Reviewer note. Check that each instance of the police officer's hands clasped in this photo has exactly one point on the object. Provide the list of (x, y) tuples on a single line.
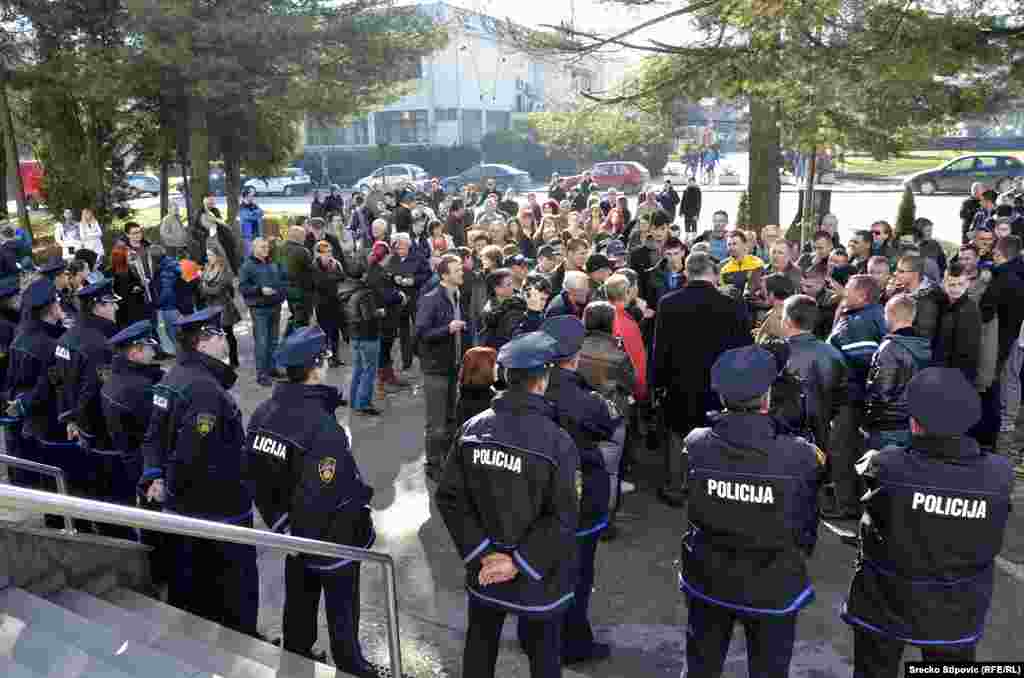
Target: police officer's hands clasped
[(456, 326), (498, 568), (157, 491), (73, 432)]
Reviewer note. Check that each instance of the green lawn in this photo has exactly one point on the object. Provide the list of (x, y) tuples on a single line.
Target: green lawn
[(915, 161)]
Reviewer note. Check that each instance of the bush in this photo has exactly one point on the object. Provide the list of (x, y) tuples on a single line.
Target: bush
[(907, 212)]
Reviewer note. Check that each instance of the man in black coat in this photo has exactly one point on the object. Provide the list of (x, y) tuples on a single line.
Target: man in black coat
[(689, 208), (680, 370), (968, 208)]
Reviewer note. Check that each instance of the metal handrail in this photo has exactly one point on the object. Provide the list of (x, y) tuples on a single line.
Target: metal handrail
[(88, 509), (55, 472)]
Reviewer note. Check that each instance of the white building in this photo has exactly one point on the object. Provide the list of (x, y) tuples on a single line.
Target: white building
[(478, 84)]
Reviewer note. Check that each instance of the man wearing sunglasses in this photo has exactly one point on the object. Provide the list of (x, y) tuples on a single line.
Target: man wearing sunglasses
[(193, 454)]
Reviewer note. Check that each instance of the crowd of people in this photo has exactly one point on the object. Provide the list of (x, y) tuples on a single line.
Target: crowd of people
[(573, 328)]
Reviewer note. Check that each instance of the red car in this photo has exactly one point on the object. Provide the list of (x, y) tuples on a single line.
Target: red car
[(31, 172), (624, 175)]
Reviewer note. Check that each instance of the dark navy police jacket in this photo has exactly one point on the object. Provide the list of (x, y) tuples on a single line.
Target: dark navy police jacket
[(588, 418), (127, 402), (509, 487), (83, 360), (196, 441), (33, 380), (753, 516), (302, 472), (933, 523)]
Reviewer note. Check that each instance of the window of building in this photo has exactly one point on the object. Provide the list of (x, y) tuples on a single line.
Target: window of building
[(402, 127), (446, 114)]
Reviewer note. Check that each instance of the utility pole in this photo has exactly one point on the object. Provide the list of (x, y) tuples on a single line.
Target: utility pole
[(11, 146)]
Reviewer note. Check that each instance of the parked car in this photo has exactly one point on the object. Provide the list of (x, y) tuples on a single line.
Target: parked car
[(142, 185), (394, 177), (294, 181), (505, 177), (956, 176), (31, 172), (626, 176)]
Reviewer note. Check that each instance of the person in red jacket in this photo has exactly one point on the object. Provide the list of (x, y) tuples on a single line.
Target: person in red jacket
[(625, 328)]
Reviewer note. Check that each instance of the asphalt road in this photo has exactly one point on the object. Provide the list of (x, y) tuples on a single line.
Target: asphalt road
[(636, 604)]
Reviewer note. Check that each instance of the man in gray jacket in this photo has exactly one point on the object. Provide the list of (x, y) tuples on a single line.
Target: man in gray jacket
[(173, 233)]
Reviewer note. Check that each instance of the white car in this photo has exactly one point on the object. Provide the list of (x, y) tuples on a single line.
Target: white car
[(294, 181), (394, 177)]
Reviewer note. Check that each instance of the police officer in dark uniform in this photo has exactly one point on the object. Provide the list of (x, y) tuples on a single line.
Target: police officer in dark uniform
[(305, 479), (934, 517), (753, 523), (55, 270), (10, 317), (126, 403), (589, 419), (509, 500), (83, 362), (194, 453)]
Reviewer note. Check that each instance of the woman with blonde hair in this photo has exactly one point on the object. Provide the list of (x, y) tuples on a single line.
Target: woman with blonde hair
[(217, 288), (91, 233)]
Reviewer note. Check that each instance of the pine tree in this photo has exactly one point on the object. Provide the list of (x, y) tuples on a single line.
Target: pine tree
[(906, 213), (743, 211)]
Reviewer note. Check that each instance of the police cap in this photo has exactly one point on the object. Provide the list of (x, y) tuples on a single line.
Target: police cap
[(568, 331), (743, 373), (942, 401), (137, 333), (303, 348), (52, 267), (101, 291), (9, 291), (530, 351), (40, 293), (207, 320), (615, 249)]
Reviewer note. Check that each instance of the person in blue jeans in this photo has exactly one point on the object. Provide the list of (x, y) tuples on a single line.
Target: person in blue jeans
[(262, 285), (363, 314)]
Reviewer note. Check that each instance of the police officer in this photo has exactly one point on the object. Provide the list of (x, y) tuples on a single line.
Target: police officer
[(305, 478), (753, 523), (10, 316), (126, 403), (34, 386), (590, 420), (934, 517), (509, 501), (83, 363), (193, 453), (55, 270)]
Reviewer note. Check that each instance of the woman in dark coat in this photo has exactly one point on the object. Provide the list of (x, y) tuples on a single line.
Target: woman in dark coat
[(476, 383), (382, 282), (327, 273), (133, 306)]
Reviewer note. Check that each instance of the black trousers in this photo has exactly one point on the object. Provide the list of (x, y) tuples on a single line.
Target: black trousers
[(878, 656), (302, 603), (845, 448), (690, 223), (543, 642), (216, 580), (709, 629), (406, 335)]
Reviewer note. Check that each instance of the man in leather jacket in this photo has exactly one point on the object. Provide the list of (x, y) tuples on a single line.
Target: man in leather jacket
[(901, 355), (818, 365)]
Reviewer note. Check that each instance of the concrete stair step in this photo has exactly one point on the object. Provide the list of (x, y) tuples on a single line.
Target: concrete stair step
[(135, 626), (109, 646), (39, 653), (188, 625)]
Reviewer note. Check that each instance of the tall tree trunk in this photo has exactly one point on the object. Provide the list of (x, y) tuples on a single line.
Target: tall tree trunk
[(165, 172), (199, 150), (763, 179), (11, 146), (233, 189), (3, 179)]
